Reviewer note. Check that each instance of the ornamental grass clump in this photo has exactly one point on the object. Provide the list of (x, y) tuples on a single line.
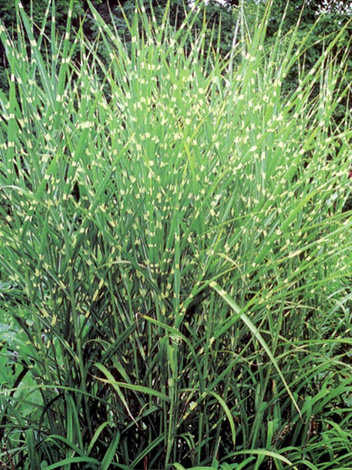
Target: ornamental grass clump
[(174, 252)]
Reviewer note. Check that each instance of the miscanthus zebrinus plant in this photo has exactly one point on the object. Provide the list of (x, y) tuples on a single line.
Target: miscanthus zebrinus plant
[(175, 252)]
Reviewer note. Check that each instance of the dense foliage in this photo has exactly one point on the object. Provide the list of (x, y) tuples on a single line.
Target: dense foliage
[(220, 16), (284, 17), (175, 251)]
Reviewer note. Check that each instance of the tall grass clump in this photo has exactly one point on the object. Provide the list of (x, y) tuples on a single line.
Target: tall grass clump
[(174, 253)]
